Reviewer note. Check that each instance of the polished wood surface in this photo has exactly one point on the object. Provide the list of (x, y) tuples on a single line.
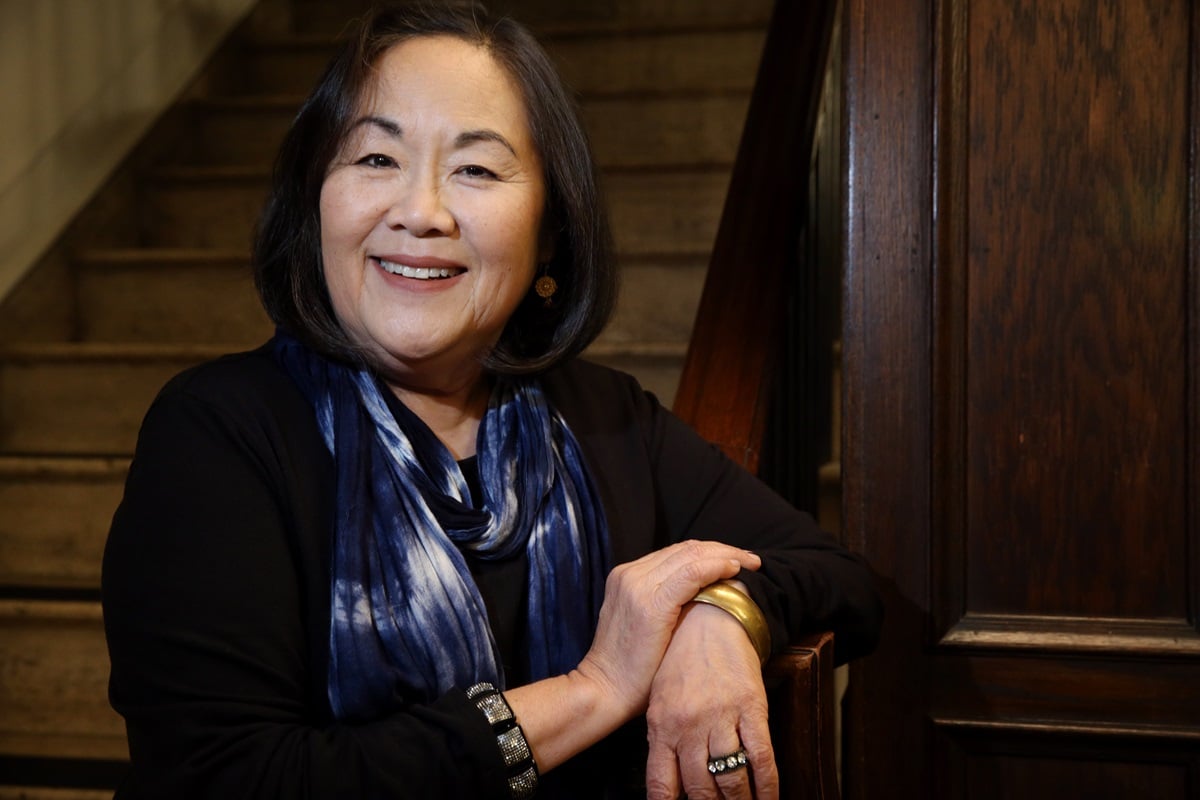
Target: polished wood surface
[(1020, 363), (726, 386), (801, 696)]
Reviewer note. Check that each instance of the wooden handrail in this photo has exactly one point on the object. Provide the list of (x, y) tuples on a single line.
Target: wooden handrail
[(727, 381), (800, 694), (729, 377)]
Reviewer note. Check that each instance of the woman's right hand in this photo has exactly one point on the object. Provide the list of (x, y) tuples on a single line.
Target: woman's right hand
[(643, 600)]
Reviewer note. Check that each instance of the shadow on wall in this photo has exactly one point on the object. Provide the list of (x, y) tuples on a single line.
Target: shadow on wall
[(81, 81)]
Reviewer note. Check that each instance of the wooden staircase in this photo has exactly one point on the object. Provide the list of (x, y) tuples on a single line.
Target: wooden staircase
[(153, 277)]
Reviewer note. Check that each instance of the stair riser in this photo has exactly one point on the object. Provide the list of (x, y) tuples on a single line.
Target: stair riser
[(241, 135), (718, 61), (665, 132), (54, 684), (672, 213), (44, 793), (216, 304), (617, 63), (207, 212), (196, 303), (92, 407), (657, 304), (651, 212), (321, 16), (648, 131), (53, 529)]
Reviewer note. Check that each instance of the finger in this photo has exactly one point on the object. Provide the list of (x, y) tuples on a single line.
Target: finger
[(662, 774), (698, 782), (680, 586), (732, 775), (678, 578), (672, 558), (756, 740)]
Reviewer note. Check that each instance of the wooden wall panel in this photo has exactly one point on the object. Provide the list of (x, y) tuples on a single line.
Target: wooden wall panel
[(1076, 307), (996, 764), (1022, 378)]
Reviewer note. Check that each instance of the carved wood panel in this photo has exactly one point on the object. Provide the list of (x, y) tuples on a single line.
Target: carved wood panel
[(1020, 349)]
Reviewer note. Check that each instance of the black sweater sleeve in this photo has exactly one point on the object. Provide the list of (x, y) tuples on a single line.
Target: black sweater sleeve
[(216, 610), (808, 581)]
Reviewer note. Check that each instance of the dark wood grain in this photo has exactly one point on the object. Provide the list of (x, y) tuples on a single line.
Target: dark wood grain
[(725, 388), (1075, 307), (887, 380), (800, 692), (1021, 344)]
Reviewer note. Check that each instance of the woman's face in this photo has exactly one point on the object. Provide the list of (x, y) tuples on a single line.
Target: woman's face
[(431, 214)]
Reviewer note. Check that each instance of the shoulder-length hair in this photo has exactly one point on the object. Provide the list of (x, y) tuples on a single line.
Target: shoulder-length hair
[(288, 269)]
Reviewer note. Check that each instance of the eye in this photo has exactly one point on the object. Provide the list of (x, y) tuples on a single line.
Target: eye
[(476, 171), (377, 160)]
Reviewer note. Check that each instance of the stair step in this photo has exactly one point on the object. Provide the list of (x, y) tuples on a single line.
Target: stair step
[(83, 399), (54, 682), (56, 517), (658, 60), (658, 301), (665, 130), (203, 207), (660, 211), (672, 212), (89, 399), (626, 130), (165, 295), (242, 130), (322, 16), (591, 60), (50, 793), (656, 365), (199, 296)]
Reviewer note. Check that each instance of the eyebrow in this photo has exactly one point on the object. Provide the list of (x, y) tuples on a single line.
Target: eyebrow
[(464, 139)]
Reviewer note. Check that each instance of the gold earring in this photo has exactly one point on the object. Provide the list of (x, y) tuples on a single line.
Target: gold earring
[(545, 288)]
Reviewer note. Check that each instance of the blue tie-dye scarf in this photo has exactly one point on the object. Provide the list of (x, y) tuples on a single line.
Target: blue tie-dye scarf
[(408, 622)]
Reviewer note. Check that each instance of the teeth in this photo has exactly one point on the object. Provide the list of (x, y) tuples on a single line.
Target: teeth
[(420, 273)]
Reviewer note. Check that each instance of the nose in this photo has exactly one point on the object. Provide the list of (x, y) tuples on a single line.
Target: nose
[(419, 207)]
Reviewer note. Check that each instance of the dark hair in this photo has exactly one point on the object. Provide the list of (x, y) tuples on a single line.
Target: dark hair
[(288, 270)]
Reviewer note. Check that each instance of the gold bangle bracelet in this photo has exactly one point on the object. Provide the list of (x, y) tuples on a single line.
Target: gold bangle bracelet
[(727, 597)]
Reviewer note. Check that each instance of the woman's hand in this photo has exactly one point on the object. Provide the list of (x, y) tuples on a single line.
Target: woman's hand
[(708, 700), (643, 600)]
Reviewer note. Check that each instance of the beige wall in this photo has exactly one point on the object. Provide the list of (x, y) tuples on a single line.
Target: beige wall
[(80, 81)]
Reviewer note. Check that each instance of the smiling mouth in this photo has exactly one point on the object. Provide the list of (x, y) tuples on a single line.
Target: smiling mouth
[(420, 273)]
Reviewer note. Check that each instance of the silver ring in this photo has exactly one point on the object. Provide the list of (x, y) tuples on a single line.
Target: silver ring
[(729, 763)]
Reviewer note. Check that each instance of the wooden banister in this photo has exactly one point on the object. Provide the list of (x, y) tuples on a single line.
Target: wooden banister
[(727, 381), (730, 375), (800, 694)]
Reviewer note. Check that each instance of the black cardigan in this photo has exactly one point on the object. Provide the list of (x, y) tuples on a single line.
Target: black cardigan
[(216, 589)]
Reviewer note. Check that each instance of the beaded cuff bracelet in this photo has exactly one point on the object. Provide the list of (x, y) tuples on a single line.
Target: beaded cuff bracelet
[(522, 769)]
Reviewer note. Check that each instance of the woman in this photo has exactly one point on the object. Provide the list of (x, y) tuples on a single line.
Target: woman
[(375, 557)]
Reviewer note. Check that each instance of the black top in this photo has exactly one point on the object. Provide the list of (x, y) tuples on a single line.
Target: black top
[(216, 589)]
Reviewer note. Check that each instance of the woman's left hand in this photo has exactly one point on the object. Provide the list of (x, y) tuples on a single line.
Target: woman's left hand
[(707, 700)]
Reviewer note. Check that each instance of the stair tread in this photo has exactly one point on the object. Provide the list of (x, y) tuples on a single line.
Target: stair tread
[(547, 33), (150, 255), (215, 172), (110, 351), (62, 467), (608, 349), (209, 172), (139, 351), (274, 103)]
